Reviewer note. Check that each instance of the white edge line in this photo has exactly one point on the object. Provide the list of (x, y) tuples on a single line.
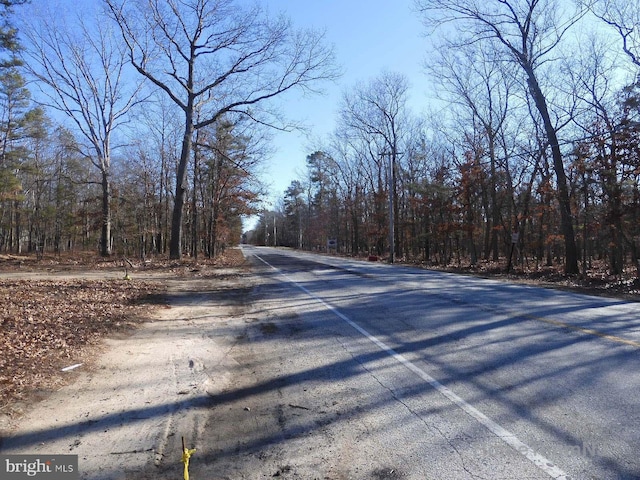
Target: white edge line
[(505, 435)]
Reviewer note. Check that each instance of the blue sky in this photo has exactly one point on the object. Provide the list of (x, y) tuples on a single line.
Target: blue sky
[(369, 36)]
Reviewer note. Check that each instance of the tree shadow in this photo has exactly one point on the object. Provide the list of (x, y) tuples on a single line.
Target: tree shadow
[(494, 356)]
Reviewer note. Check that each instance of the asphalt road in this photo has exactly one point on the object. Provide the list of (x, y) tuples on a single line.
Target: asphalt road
[(418, 374)]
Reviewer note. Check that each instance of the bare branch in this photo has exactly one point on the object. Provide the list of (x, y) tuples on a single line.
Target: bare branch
[(624, 18), (214, 57)]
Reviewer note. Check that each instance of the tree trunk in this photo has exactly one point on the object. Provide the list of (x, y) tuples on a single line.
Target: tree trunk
[(495, 208), (18, 230), (162, 205), (571, 250), (616, 229), (195, 229), (105, 238), (175, 244)]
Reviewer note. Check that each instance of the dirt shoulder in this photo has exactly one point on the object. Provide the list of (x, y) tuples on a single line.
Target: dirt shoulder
[(152, 352), (56, 313)]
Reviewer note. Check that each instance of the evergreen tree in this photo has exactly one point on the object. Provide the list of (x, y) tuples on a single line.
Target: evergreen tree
[(9, 46)]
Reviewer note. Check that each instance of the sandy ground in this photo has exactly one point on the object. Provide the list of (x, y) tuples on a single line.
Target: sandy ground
[(125, 413)]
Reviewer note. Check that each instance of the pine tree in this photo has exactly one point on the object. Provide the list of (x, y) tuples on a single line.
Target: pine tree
[(9, 45)]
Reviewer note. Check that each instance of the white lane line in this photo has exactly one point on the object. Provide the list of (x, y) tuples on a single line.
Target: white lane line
[(505, 435)]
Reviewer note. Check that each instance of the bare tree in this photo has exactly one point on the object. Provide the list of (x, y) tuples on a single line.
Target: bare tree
[(528, 31), (481, 86), (606, 152), (379, 110), (162, 134), (82, 72), (624, 17), (214, 57)]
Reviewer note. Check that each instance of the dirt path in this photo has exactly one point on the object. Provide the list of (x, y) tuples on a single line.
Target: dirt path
[(125, 417)]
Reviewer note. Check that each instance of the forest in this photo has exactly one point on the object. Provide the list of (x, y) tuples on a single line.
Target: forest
[(141, 129), (529, 157)]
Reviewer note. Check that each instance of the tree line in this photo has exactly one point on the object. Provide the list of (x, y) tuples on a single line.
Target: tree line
[(140, 127), (531, 148)]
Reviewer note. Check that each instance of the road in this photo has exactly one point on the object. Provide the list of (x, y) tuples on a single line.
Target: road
[(315, 367), (459, 377)]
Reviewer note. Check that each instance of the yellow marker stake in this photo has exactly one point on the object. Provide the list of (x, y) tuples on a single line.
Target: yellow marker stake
[(186, 455)]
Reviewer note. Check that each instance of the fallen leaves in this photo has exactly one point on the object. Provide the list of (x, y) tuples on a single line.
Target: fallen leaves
[(46, 325)]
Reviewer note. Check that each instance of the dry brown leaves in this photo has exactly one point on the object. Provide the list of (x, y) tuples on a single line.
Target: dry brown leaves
[(46, 325), (70, 262), (596, 281)]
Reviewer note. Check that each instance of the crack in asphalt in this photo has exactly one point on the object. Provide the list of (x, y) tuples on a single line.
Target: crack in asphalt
[(397, 397)]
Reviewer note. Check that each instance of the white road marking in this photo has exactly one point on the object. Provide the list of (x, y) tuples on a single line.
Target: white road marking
[(505, 435)]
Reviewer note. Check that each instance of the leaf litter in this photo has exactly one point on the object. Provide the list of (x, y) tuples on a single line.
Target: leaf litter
[(47, 325)]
